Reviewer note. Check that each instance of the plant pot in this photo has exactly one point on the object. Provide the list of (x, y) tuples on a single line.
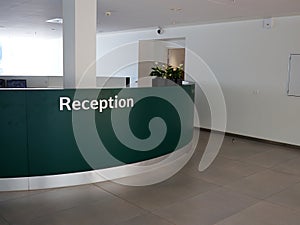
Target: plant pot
[(158, 82), (177, 81)]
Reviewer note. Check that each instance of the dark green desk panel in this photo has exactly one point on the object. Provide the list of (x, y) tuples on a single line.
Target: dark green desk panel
[(52, 146), (13, 134)]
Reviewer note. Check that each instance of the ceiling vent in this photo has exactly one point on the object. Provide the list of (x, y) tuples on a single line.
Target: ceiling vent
[(55, 20)]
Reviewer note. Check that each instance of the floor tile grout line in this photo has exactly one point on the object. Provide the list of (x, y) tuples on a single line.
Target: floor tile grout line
[(209, 182), (163, 218), (276, 164), (241, 161), (202, 179), (150, 213), (5, 220), (239, 212), (285, 189), (25, 196), (257, 198), (244, 162), (119, 197), (259, 202), (272, 168), (132, 203), (243, 194), (284, 172), (248, 164), (238, 179), (263, 167), (64, 209), (189, 198), (166, 219), (126, 200), (296, 211), (244, 177), (41, 192)]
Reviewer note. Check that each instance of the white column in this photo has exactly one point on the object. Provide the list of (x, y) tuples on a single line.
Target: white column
[(79, 39)]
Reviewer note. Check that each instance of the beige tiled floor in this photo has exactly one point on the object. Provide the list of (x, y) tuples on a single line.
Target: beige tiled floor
[(249, 183)]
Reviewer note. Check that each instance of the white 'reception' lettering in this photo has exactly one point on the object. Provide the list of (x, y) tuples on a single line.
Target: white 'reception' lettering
[(65, 103)]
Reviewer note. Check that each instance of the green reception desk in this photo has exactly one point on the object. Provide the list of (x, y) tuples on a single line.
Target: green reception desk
[(67, 133)]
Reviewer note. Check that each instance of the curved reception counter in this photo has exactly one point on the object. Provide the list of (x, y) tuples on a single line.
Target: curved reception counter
[(62, 137)]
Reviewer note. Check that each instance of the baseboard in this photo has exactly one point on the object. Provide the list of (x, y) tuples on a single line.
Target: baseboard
[(251, 138)]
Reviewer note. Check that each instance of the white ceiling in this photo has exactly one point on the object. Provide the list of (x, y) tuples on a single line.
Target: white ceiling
[(27, 17)]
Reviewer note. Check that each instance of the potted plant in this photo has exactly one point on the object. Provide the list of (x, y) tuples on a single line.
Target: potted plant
[(158, 72), (169, 72)]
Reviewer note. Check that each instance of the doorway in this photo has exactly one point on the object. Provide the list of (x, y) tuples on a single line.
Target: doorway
[(176, 57)]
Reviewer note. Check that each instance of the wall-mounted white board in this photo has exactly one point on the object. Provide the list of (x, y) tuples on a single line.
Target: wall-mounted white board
[(294, 75)]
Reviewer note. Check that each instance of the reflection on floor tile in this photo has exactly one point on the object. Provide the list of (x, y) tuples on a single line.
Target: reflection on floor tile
[(263, 214), (264, 184), (207, 208), (147, 219), (152, 197), (243, 149), (290, 197), (273, 157), (23, 210), (291, 167), (4, 196), (103, 212), (224, 171), (3, 222)]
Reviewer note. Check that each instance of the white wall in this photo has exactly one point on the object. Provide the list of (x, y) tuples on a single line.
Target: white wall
[(250, 63)]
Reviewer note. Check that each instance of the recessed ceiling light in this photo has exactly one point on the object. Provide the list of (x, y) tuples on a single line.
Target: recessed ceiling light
[(55, 20), (176, 9), (223, 1), (108, 13)]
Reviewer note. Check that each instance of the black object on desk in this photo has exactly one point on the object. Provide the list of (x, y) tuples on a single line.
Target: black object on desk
[(16, 84), (2, 83)]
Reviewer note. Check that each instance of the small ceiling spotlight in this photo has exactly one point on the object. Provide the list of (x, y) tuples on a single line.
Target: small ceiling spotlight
[(224, 2), (176, 9), (55, 20), (268, 23), (159, 31), (107, 13)]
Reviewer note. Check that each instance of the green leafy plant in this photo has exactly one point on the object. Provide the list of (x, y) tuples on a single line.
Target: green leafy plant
[(158, 72), (168, 72)]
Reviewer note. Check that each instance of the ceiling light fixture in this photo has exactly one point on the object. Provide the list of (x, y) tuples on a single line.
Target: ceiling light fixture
[(176, 9), (224, 2), (55, 20), (108, 13)]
